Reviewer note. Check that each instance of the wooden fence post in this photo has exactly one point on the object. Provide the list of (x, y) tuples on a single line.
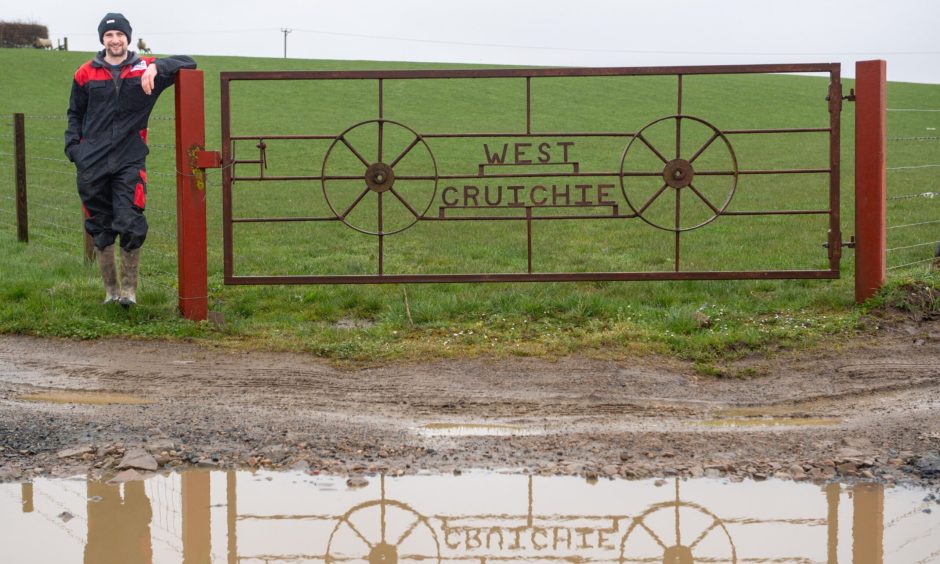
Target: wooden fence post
[(19, 152)]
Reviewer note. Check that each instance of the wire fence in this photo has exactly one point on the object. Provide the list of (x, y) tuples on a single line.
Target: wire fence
[(55, 216), (913, 190)]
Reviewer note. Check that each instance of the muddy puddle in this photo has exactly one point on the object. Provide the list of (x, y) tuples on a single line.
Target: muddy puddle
[(243, 517), (85, 397), (476, 430), (771, 422)]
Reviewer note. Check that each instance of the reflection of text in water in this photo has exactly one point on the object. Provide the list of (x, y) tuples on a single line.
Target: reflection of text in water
[(475, 517)]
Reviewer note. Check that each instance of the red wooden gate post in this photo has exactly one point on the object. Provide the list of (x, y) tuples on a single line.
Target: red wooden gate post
[(870, 162), (191, 196)]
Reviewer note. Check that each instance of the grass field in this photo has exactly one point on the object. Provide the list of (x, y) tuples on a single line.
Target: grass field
[(47, 289)]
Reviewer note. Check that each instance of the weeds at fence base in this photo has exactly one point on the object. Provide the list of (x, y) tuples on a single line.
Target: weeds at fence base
[(917, 299)]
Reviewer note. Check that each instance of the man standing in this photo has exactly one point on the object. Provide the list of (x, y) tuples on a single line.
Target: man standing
[(112, 97)]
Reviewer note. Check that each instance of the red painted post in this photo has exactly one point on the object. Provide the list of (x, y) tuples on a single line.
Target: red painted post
[(870, 180), (191, 196)]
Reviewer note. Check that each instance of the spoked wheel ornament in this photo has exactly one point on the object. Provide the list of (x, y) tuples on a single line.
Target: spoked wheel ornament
[(383, 531), (677, 532), (678, 175), (379, 182)]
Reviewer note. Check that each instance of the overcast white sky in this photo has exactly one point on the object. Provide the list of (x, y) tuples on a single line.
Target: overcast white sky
[(525, 32)]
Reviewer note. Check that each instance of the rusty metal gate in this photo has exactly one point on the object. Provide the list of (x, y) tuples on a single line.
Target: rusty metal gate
[(457, 175)]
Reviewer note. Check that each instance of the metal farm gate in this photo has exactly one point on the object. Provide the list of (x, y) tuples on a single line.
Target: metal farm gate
[(530, 174)]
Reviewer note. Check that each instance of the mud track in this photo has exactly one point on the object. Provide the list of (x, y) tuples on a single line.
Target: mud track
[(865, 410)]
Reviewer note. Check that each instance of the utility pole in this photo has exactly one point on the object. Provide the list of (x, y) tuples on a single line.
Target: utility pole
[(286, 31)]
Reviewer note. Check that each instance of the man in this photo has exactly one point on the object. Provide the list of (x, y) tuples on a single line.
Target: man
[(112, 97)]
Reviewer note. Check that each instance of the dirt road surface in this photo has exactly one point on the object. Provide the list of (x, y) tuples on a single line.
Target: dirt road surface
[(865, 410)]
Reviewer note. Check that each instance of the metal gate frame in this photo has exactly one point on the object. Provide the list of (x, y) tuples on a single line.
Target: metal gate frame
[(834, 237), (192, 160)]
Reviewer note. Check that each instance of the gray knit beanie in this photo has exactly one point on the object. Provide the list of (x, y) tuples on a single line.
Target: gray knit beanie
[(114, 21)]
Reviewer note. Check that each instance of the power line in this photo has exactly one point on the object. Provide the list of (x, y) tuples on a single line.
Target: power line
[(178, 32), (531, 47), (594, 50)]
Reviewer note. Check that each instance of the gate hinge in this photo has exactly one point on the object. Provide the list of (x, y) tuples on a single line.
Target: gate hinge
[(850, 97), (850, 244)]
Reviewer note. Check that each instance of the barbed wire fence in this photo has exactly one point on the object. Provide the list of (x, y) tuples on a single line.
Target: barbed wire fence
[(913, 191), (54, 209)]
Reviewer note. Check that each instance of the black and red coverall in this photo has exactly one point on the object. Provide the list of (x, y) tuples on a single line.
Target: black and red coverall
[(107, 140)]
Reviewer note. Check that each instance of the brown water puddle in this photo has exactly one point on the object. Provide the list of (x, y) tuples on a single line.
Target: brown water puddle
[(473, 430), (476, 517), (84, 397), (762, 411), (771, 422)]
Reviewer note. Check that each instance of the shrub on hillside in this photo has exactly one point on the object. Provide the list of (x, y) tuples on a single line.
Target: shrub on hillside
[(18, 34)]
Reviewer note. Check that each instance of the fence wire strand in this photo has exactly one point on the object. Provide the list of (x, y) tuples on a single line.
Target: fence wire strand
[(922, 261), (914, 224), (29, 158), (926, 195), (913, 167), (51, 171), (54, 235), (910, 246)]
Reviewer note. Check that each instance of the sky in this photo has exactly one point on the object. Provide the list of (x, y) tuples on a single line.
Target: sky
[(524, 32)]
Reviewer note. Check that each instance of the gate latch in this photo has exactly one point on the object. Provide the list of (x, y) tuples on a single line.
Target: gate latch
[(208, 159), (850, 97), (850, 244)]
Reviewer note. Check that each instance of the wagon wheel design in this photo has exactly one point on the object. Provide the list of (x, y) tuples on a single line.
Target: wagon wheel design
[(383, 531), (659, 533), (394, 178), (677, 174)]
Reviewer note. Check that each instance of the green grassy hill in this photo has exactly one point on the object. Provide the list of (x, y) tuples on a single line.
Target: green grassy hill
[(47, 289)]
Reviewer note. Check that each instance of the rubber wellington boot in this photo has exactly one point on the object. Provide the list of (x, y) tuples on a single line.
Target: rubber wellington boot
[(130, 261), (109, 275)]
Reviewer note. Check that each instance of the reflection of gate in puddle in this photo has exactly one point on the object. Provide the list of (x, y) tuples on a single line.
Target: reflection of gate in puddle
[(483, 518), (402, 534), (673, 531), (679, 550)]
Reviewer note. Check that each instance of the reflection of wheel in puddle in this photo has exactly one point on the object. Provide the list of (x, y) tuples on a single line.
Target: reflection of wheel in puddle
[(709, 191), (379, 177), (677, 532), (383, 531)]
